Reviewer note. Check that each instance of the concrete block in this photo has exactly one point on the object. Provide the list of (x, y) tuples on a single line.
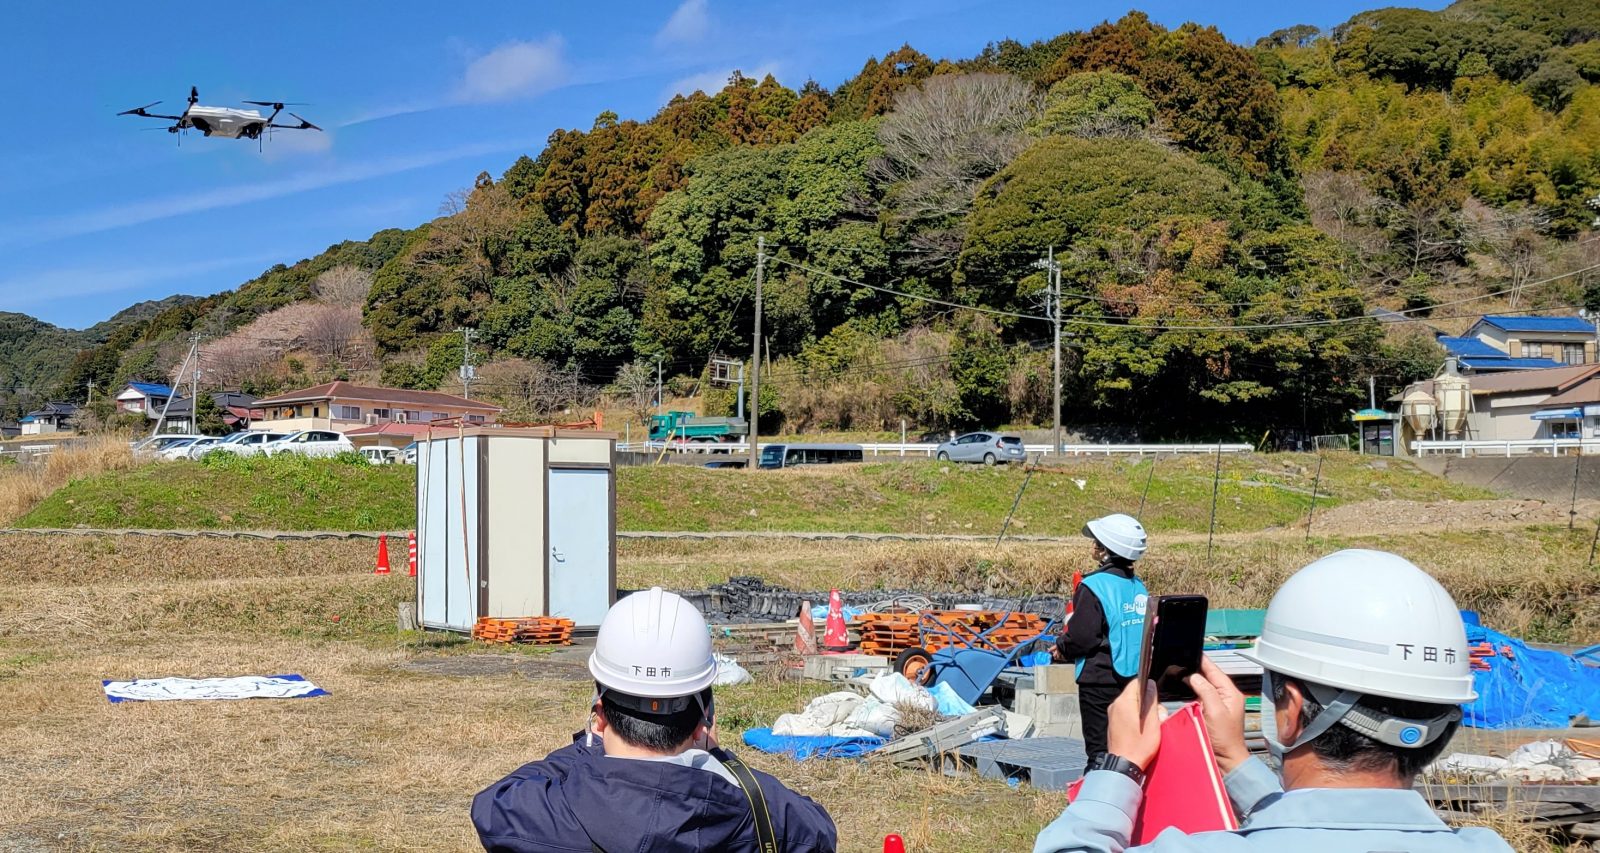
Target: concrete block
[(1054, 715), (1055, 678), (843, 667)]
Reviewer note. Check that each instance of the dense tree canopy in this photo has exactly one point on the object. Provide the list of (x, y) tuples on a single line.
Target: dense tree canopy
[(1224, 218)]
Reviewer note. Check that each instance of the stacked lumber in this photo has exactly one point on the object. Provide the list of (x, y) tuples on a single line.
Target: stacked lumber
[(888, 634), (531, 630)]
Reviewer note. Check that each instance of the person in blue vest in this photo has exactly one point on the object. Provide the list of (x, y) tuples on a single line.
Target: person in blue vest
[(1107, 625), (1364, 671), (647, 773)]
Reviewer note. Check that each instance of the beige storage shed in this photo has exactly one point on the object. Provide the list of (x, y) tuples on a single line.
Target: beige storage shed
[(515, 522)]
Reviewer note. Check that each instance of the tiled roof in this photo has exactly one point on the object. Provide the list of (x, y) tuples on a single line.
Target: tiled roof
[(394, 396), (151, 389), (1469, 348), (1522, 323), (1553, 379), (1504, 363)]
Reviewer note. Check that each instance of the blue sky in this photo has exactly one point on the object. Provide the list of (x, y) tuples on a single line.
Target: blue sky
[(416, 97)]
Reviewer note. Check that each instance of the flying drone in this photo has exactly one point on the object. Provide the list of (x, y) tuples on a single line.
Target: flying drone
[(226, 122)]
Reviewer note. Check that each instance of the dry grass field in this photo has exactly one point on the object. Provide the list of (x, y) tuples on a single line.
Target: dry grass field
[(416, 725)]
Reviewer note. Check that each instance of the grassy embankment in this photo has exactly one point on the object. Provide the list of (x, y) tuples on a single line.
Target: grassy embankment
[(1256, 492)]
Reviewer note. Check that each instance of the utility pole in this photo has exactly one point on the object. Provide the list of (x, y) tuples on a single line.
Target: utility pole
[(194, 388), (192, 354), (755, 360), (1053, 311), (468, 372)]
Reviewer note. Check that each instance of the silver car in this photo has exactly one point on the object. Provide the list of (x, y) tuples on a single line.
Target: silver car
[(986, 447)]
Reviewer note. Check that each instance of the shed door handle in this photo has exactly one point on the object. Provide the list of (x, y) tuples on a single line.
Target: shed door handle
[(557, 555)]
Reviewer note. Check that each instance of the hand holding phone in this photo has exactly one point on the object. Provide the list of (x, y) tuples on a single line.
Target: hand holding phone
[(1174, 642)]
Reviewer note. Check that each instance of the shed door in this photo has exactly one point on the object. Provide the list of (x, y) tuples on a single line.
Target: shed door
[(447, 540), (580, 544)]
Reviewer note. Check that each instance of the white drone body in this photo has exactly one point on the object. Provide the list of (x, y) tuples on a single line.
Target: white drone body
[(226, 122)]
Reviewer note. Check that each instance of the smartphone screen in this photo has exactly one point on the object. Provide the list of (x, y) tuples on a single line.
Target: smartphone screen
[(1174, 639)]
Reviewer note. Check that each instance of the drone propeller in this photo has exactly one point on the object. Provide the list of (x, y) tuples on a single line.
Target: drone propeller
[(306, 125), (278, 104), (137, 110), (194, 95)]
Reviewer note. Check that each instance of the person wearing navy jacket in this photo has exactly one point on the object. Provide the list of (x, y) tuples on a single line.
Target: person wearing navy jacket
[(647, 773)]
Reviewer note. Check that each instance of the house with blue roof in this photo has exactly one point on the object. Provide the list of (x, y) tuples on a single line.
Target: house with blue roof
[(1500, 342), (144, 398)]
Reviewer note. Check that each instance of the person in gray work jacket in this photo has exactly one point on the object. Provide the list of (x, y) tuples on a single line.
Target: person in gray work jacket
[(1365, 671)]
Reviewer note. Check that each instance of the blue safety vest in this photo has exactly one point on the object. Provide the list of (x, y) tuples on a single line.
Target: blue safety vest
[(1123, 601)]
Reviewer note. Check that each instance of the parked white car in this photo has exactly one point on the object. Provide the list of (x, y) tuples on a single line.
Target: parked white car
[(243, 443), (310, 442), (176, 449), (149, 447), (193, 450), (381, 455)]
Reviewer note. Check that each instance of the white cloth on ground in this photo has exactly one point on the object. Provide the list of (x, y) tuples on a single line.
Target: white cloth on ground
[(239, 687)]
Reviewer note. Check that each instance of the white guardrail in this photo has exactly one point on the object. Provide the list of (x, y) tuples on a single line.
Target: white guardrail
[(25, 450), (927, 450), (1526, 447)]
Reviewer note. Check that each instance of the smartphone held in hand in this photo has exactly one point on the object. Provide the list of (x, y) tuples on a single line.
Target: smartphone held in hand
[(1174, 640)]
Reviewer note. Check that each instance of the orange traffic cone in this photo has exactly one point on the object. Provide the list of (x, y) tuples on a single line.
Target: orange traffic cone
[(383, 556), (894, 844), (836, 638), (805, 637), (411, 553)]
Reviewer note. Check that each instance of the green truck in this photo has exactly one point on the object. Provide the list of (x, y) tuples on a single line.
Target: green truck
[(686, 426)]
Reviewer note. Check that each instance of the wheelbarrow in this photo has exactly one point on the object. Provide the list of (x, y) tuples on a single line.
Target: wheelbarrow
[(969, 660)]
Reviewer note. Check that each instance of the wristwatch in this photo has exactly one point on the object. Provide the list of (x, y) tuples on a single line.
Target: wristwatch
[(1118, 764)]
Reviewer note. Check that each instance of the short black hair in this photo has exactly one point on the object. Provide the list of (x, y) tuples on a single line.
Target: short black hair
[(1345, 749), (656, 732)]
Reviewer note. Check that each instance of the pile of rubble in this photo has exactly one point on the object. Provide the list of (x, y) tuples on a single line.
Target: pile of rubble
[(747, 599)]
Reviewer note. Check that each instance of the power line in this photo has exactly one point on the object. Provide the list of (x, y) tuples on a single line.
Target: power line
[(1161, 324)]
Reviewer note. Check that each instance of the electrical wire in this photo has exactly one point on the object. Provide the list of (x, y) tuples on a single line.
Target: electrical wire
[(1160, 324)]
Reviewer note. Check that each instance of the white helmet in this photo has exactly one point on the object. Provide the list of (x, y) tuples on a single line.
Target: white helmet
[(1371, 623), (653, 645), (1118, 533)]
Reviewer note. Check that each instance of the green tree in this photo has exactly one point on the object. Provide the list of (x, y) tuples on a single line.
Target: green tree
[(208, 416), (1095, 103)]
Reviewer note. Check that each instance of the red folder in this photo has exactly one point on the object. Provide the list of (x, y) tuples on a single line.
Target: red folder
[(1183, 785)]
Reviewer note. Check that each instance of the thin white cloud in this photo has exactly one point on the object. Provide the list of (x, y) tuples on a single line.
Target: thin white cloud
[(517, 69), (689, 24), (712, 82), (514, 70), (52, 286), (123, 216)]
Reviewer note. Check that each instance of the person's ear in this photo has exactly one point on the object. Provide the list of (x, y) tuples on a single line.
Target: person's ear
[(599, 725), (1289, 719)]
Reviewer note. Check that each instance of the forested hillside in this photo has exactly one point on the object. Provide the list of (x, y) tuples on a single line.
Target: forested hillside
[(1225, 217)]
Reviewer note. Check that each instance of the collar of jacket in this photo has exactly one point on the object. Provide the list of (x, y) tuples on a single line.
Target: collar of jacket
[(1347, 808)]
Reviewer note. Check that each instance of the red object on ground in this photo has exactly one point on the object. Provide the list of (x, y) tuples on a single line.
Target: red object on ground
[(836, 638), (805, 637), (383, 556), (1077, 578), (411, 553), (1183, 785), (894, 844)]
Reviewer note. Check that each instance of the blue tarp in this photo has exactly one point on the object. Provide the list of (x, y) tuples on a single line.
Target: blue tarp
[(1530, 688), (801, 747)]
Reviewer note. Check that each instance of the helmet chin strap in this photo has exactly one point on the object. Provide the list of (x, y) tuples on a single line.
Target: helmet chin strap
[(1342, 706)]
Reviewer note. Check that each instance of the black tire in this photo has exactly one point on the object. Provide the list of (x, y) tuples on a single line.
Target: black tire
[(916, 664), (943, 456), (988, 459)]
